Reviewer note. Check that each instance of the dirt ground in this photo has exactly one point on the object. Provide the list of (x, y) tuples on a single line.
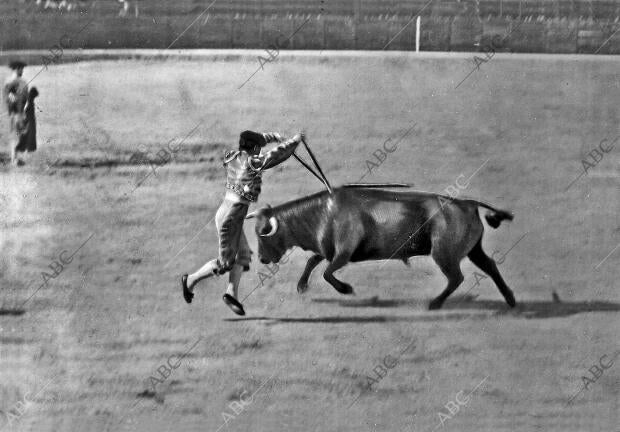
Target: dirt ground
[(106, 343)]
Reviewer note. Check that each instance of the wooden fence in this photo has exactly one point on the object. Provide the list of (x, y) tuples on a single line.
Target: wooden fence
[(444, 26)]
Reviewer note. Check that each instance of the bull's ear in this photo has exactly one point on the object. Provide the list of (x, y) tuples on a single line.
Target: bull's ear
[(251, 215), (268, 205)]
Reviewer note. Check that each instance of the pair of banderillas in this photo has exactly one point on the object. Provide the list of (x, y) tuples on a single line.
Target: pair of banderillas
[(321, 176), (319, 172)]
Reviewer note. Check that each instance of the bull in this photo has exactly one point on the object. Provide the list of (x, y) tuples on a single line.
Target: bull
[(362, 223)]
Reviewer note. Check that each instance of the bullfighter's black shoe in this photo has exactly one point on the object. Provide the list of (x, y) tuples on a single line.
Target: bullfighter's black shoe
[(187, 294), (233, 304)]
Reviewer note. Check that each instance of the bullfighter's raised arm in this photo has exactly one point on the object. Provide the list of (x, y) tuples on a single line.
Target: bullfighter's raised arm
[(280, 153), (271, 137)]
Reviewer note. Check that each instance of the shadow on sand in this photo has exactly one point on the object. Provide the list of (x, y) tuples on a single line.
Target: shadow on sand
[(12, 312), (454, 309)]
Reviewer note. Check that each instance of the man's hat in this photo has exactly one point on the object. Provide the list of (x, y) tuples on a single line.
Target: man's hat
[(253, 137), (17, 64)]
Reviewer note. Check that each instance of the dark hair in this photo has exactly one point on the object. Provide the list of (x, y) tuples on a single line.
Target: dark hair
[(17, 64), (248, 140), (246, 145)]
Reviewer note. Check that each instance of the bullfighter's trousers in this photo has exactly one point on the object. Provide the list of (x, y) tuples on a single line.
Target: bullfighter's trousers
[(233, 247)]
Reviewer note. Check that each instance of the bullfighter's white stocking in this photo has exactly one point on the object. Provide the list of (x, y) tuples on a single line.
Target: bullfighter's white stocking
[(203, 272), (234, 278)]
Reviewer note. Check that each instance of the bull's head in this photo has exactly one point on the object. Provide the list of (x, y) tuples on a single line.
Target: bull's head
[(271, 240)]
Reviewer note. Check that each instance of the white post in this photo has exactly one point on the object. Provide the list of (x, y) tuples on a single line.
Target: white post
[(417, 35)]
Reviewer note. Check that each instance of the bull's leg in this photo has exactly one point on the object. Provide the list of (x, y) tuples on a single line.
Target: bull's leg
[(339, 261), (302, 285), (487, 265), (450, 266)]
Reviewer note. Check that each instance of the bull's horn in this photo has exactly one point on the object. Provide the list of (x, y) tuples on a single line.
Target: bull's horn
[(251, 215), (274, 227)]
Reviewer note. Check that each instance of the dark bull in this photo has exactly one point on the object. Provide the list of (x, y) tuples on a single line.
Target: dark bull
[(361, 223)]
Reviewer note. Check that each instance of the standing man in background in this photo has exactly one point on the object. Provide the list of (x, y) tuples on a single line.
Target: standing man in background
[(15, 97)]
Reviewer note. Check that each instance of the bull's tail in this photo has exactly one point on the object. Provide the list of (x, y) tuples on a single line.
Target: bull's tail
[(495, 216)]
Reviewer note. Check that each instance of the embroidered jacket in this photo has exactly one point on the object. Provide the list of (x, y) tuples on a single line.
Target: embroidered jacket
[(244, 171), (19, 88)]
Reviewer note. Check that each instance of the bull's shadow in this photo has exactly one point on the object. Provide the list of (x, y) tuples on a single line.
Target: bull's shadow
[(524, 309), (535, 309), (457, 308)]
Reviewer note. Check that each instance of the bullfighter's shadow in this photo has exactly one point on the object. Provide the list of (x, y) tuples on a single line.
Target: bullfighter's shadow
[(457, 308), (368, 319)]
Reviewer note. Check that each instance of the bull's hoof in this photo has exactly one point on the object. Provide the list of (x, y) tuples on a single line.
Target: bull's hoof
[(435, 304), (345, 289), (302, 288)]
